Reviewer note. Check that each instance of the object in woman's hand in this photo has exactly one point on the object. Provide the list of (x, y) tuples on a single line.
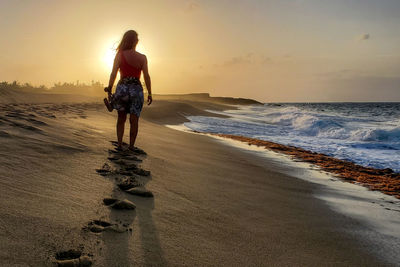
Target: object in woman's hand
[(107, 89), (108, 105)]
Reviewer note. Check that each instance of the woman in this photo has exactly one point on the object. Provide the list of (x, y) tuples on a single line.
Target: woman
[(128, 97)]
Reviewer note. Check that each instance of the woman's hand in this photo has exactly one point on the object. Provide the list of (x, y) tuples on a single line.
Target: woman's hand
[(149, 99)]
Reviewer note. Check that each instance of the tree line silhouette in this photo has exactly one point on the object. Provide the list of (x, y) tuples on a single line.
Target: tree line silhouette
[(94, 88)]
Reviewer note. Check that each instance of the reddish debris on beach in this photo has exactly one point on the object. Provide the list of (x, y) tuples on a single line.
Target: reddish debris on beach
[(384, 180)]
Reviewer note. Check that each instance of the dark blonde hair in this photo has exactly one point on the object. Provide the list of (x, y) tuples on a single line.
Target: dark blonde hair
[(129, 40)]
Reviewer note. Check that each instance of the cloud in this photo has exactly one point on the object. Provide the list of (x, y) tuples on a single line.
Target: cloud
[(248, 59), (363, 37), (340, 74), (239, 60), (191, 6)]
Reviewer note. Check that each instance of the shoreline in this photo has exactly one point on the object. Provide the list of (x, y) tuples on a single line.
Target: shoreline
[(213, 204), (175, 112), (383, 180)]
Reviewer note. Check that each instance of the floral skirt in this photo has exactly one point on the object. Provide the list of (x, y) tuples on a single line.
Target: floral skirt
[(128, 96)]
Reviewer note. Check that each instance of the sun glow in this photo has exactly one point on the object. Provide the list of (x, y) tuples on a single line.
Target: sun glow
[(108, 53), (141, 49), (108, 57)]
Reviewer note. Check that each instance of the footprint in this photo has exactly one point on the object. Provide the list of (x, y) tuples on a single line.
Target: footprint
[(125, 169), (114, 158), (118, 161), (131, 158), (98, 226), (128, 183), (140, 191), (119, 204), (115, 143), (133, 169), (116, 155), (72, 258), (136, 150), (68, 255), (106, 169), (139, 151)]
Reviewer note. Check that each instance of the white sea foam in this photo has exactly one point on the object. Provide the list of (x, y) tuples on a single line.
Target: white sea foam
[(365, 133)]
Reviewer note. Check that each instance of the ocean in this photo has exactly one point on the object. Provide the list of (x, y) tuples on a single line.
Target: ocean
[(367, 134)]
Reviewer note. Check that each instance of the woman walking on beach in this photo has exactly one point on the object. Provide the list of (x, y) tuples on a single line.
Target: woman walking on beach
[(128, 97)]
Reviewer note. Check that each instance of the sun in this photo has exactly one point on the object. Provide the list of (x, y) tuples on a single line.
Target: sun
[(108, 56), (108, 52)]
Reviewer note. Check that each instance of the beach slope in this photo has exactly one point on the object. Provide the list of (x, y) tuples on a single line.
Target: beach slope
[(212, 205)]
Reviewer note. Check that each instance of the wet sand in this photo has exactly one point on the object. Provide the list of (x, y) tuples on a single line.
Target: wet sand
[(212, 204), (384, 180)]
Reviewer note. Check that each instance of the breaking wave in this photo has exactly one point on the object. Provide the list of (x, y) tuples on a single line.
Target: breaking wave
[(365, 133)]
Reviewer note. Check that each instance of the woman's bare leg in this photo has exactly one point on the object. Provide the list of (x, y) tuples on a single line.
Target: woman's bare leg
[(120, 127), (134, 120)]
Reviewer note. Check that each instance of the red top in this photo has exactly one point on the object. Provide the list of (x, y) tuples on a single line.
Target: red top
[(127, 70)]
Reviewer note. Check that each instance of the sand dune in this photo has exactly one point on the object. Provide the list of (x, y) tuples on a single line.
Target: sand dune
[(11, 96)]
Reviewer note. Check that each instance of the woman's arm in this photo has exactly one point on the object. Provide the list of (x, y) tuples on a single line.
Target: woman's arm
[(147, 81), (114, 72)]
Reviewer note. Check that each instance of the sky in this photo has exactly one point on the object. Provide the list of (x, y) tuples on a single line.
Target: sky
[(269, 50)]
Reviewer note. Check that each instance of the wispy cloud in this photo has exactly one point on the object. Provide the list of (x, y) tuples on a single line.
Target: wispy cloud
[(248, 59), (238, 60), (340, 74), (191, 6), (363, 37)]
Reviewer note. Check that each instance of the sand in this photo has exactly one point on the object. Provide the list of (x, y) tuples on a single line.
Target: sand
[(212, 204), (384, 180)]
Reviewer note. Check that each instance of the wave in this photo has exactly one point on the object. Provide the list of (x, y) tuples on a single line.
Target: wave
[(328, 125), (343, 130), (391, 135)]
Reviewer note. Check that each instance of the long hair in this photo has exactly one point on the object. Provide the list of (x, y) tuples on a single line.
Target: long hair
[(129, 40)]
